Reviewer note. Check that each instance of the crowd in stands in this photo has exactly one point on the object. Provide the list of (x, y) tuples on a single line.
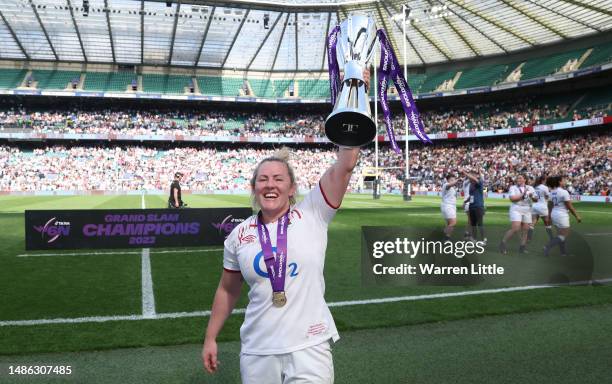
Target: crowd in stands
[(274, 124), (583, 158)]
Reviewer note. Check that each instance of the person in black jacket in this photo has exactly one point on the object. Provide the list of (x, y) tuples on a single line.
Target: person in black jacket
[(174, 200)]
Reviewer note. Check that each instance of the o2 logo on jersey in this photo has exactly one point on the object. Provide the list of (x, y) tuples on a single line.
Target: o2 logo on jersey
[(260, 267)]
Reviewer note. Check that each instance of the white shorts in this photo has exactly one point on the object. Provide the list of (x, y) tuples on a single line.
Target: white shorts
[(466, 207), (539, 210), (448, 211), (522, 215), (309, 365), (560, 219)]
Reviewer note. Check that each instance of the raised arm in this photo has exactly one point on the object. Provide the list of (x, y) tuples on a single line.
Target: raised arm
[(470, 176), (226, 296), (336, 179)]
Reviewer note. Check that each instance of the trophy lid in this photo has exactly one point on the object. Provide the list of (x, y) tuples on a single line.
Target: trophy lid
[(357, 38)]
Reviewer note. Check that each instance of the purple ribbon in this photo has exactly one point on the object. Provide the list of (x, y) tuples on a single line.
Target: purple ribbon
[(389, 67), (277, 267), (332, 64)]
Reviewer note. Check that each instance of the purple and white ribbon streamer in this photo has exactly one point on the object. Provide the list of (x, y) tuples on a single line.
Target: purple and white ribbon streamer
[(332, 64), (389, 67)]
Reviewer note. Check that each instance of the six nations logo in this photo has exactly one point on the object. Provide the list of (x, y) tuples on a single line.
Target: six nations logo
[(53, 229)]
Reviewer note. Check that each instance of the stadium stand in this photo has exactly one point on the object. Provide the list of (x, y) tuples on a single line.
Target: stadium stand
[(476, 117), (218, 86), (229, 168), (108, 81), (483, 76), (549, 65), (11, 78), (434, 80), (166, 84), (55, 80), (601, 54), (315, 89)]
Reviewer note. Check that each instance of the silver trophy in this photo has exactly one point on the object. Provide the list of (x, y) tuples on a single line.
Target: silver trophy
[(351, 123)]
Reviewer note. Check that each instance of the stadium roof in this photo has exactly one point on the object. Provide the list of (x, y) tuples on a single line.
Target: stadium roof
[(285, 35)]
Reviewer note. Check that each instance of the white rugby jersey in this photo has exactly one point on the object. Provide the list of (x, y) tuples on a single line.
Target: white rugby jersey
[(449, 196), (543, 195), (466, 189), (525, 202), (559, 196), (305, 320)]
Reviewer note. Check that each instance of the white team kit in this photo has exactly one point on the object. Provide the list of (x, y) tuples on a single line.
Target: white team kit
[(559, 214), (449, 202), (521, 210), (305, 321), (540, 207), (466, 194)]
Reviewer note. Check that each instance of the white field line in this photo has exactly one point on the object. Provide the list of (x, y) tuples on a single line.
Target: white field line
[(118, 252), (176, 315), (599, 234), (148, 299)]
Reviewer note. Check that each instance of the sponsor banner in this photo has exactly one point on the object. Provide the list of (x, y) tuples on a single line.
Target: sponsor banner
[(429, 95), (504, 86), (530, 82), (26, 92), (479, 90), (120, 95), (89, 94), (149, 96), (559, 76), (587, 71), (175, 97), (130, 228), (57, 93)]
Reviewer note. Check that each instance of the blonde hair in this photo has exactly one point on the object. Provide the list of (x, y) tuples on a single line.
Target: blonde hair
[(281, 155)]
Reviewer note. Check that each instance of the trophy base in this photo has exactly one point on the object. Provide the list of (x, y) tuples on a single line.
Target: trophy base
[(350, 128)]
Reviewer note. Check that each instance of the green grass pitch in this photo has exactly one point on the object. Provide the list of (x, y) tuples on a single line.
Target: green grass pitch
[(438, 334)]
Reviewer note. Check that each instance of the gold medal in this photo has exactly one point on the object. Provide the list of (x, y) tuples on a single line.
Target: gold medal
[(279, 299)]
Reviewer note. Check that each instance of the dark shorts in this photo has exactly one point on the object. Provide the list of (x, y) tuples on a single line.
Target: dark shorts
[(476, 214)]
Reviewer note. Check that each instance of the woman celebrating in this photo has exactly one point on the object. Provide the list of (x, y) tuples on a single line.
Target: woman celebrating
[(540, 208), (521, 196), (280, 253), (561, 203), (449, 204)]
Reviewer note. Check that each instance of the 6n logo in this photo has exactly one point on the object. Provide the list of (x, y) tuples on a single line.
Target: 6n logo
[(53, 230)]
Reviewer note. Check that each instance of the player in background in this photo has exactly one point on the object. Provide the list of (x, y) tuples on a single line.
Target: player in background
[(476, 201), (560, 203), (449, 204), (521, 195), (466, 207), (540, 208)]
